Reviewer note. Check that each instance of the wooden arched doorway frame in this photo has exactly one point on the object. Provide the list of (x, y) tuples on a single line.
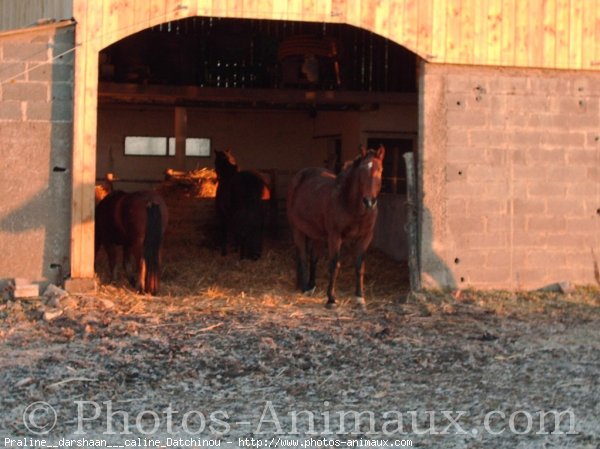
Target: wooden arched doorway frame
[(102, 23)]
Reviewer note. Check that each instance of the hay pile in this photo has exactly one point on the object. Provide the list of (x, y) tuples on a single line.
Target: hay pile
[(200, 183)]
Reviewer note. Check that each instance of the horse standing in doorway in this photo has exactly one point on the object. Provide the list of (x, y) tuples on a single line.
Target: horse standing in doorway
[(241, 208), (137, 222), (323, 207)]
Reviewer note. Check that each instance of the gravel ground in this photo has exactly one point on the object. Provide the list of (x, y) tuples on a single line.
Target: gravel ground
[(230, 353)]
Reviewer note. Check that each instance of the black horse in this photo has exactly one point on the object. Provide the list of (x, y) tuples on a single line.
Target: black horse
[(241, 206)]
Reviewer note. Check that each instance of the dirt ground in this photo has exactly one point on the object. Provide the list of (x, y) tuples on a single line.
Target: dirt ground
[(230, 355), (230, 352)]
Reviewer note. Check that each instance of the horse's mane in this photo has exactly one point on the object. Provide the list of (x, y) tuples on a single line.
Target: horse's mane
[(225, 163), (343, 182)]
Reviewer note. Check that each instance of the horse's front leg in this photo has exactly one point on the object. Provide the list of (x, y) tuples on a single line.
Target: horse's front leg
[(312, 268), (335, 244), (359, 268)]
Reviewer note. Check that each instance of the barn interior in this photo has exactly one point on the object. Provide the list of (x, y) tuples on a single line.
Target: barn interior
[(280, 95)]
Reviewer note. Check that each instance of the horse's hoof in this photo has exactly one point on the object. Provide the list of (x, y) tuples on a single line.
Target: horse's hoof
[(331, 305), (360, 302), (310, 291)]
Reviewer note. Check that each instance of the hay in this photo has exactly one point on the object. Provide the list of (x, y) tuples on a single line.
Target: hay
[(200, 183), (230, 335)]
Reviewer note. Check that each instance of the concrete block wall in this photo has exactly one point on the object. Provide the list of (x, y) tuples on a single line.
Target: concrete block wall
[(510, 177), (36, 126)]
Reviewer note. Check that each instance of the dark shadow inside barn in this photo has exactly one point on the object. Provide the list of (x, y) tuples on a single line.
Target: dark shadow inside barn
[(280, 95)]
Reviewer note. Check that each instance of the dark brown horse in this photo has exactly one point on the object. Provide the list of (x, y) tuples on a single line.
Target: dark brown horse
[(323, 207), (137, 222), (241, 205)]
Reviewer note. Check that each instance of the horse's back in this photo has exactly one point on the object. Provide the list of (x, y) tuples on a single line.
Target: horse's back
[(308, 201), (134, 209), (247, 186)]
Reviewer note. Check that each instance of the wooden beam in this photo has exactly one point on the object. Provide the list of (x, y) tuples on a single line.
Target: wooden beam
[(84, 140), (189, 95), (180, 136)]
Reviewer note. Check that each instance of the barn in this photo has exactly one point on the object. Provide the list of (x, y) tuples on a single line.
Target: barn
[(498, 100)]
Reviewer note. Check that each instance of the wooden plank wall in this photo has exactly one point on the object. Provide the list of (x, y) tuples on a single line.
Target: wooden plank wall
[(561, 34), (535, 33), (22, 13)]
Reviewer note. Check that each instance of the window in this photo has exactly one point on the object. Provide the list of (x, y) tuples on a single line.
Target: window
[(194, 146), (163, 146), (145, 146)]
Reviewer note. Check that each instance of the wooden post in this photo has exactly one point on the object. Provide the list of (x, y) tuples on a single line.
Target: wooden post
[(180, 136), (84, 150), (411, 224)]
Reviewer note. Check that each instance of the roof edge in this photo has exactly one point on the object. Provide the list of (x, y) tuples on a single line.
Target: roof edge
[(40, 25)]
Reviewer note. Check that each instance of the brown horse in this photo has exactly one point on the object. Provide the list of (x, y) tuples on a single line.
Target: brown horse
[(323, 207), (137, 222)]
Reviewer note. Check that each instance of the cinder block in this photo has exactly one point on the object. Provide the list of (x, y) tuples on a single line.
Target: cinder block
[(456, 172), (564, 138), (582, 156), (483, 174), (11, 69), (528, 173), (484, 206), (61, 91), (466, 224), (463, 153), (566, 207), (525, 138), (463, 190), (486, 137), (467, 119), (38, 110), (528, 206), (497, 222), (567, 173), (489, 240), (509, 85), (550, 223), (22, 51), (582, 224), (26, 290), (457, 137), (10, 110), (25, 91), (543, 259)]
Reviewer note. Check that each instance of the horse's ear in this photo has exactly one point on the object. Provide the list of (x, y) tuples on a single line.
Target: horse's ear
[(380, 152), (363, 151)]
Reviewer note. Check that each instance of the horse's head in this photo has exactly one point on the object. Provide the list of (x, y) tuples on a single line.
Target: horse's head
[(369, 167), (225, 163)]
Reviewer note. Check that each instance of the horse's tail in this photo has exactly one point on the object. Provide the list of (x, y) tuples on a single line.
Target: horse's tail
[(152, 243)]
